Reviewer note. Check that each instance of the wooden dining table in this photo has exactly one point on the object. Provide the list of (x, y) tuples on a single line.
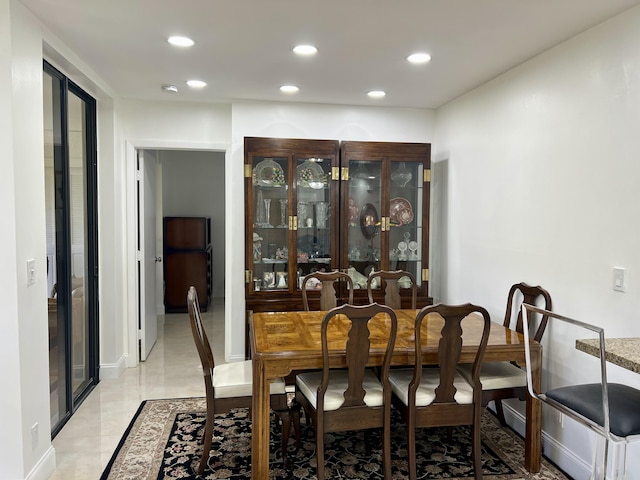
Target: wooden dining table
[(282, 342)]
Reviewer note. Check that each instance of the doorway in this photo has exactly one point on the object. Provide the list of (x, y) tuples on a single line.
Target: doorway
[(71, 229), (190, 183)]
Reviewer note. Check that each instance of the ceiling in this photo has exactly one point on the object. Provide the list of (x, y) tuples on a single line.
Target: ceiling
[(243, 48)]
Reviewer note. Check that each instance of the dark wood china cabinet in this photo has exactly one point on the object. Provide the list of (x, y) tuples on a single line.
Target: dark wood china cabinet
[(324, 205)]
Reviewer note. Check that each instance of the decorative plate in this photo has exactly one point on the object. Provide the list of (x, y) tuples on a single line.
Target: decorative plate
[(310, 174), (268, 173), (369, 221), (400, 211)]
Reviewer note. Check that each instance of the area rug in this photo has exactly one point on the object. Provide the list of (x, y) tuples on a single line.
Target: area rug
[(162, 442)]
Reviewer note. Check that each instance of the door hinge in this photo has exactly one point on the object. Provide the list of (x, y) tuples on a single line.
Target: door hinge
[(345, 174), (247, 276), (138, 255), (425, 274), (139, 335), (335, 173), (427, 175), (247, 170)]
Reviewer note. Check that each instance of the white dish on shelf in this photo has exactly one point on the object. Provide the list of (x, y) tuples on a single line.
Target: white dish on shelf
[(268, 173), (310, 174)]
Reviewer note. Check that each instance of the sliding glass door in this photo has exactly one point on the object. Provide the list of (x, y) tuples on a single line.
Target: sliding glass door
[(70, 192)]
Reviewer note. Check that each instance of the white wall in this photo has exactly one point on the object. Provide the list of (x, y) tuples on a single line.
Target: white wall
[(293, 120), (193, 186), (539, 182), (24, 325)]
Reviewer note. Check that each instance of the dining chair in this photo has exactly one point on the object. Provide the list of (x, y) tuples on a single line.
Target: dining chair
[(229, 385), (609, 409), (504, 380), (391, 286), (327, 280), (354, 398), (437, 395)]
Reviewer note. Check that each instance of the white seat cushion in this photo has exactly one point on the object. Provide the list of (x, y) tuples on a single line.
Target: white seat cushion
[(235, 379), (308, 384), (497, 375), (426, 393)]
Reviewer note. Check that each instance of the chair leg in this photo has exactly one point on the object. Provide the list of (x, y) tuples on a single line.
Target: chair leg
[(475, 450), (411, 451), (600, 450), (620, 460), (295, 416), (285, 420), (207, 441), (500, 413), (320, 451)]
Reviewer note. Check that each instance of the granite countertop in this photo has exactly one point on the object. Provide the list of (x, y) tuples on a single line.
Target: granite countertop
[(624, 352)]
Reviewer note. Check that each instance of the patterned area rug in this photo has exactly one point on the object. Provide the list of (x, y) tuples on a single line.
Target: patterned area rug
[(163, 443)]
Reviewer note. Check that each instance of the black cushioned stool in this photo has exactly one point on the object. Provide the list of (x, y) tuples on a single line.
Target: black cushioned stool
[(611, 410)]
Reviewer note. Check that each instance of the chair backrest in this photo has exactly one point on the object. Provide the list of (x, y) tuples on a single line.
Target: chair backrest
[(529, 311), (200, 336), (391, 287), (530, 295), (449, 349), (357, 350), (328, 297)]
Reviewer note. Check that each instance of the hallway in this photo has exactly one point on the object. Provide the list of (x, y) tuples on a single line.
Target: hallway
[(86, 443)]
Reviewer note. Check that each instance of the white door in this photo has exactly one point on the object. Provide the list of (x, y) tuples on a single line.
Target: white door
[(147, 257)]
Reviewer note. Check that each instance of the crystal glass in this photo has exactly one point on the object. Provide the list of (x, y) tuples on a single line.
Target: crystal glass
[(283, 213), (322, 211), (267, 212), (401, 176)]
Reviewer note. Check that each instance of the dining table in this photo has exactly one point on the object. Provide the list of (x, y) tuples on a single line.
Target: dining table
[(284, 342)]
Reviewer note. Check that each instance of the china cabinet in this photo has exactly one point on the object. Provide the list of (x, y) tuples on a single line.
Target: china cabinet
[(314, 205)]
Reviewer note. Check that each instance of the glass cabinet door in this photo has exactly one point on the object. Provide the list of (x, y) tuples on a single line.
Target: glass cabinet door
[(364, 212), (270, 197), (314, 222), (405, 219)]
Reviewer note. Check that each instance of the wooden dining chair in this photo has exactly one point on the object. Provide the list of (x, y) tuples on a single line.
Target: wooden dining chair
[(504, 380), (354, 398), (229, 385), (327, 280), (389, 283), (432, 396)]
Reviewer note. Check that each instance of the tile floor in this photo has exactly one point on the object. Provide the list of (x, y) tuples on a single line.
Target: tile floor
[(85, 444)]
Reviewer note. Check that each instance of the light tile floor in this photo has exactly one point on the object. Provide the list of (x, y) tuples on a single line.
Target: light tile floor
[(85, 444)]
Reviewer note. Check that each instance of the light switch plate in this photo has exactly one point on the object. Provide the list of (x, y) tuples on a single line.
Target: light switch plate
[(31, 272), (618, 279)]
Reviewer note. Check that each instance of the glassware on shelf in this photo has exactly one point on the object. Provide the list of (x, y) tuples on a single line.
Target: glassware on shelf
[(402, 175), (322, 211), (267, 213), (259, 220), (413, 250), (283, 213), (303, 213)]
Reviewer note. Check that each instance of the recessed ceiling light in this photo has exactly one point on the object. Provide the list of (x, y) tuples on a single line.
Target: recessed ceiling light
[(305, 49), (289, 88), (419, 58), (376, 93), (179, 41), (196, 83), (169, 88)]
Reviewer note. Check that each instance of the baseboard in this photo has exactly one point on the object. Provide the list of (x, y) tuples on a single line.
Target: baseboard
[(111, 371), (45, 467), (552, 449)]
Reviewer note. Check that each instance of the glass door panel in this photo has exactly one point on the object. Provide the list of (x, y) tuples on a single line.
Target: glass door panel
[(405, 219), (270, 194), (313, 214), (364, 219)]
